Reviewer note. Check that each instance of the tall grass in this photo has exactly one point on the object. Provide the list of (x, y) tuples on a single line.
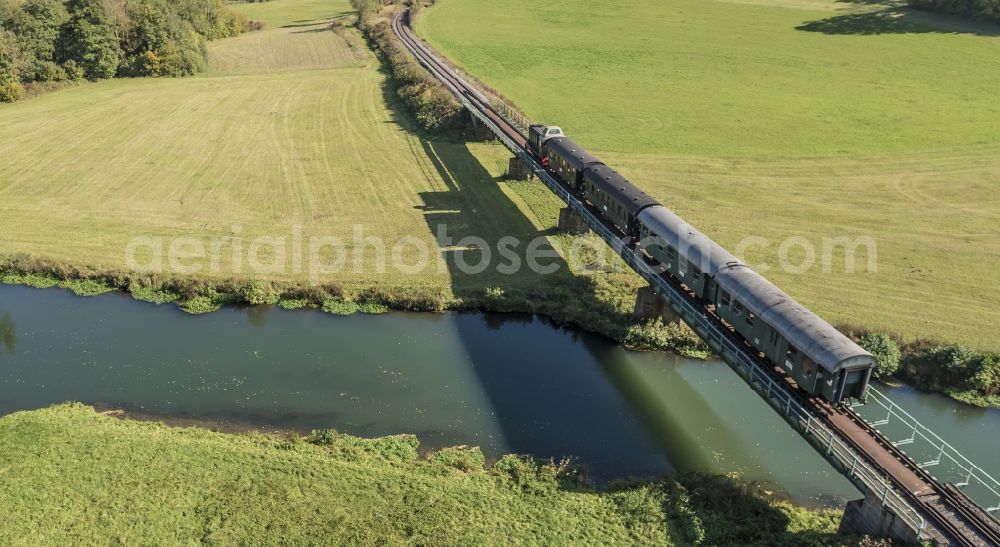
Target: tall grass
[(123, 481)]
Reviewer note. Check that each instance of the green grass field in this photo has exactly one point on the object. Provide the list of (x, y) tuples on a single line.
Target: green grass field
[(780, 118), (196, 486), (293, 13), (294, 127), (74, 476), (301, 134)]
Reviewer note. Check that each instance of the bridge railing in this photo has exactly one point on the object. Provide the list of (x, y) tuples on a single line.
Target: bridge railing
[(777, 394), (969, 473)]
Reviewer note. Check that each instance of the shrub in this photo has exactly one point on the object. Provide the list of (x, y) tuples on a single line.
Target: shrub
[(953, 363), (655, 335), (10, 90), (529, 475), (47, 71), (729, 511), (463, 458), (525, 473), (640, 505), (324, 437), (494, 294), (73, 71), (885, 350), (399, 448), (986, 379), (258, 293)]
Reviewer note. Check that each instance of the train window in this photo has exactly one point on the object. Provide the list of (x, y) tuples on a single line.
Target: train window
[(773, 336), (671, 253), (695, 273), (725, 299), (750, 318), (737, 307)]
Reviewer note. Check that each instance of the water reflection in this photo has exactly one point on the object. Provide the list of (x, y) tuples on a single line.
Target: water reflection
[(508, 383), (8, 334)]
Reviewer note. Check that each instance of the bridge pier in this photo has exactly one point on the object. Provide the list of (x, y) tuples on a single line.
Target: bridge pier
[(650, 305), (572, 223), (479, 130), (518, 170), (869, 516)]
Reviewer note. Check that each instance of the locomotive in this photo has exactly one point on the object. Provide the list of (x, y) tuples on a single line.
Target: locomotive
[(820, 359)]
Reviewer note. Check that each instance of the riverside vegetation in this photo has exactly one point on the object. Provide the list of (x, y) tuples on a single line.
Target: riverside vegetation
[(761, 119), (74, 240), (307, 133), (202, 486), (235, 143), (292, 125)]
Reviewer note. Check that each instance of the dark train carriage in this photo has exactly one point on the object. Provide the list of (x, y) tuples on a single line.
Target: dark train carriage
[(692, 257), (616, 198), (569, 161), (819, 357)]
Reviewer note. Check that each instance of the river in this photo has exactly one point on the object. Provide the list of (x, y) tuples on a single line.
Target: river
[(507, 383)]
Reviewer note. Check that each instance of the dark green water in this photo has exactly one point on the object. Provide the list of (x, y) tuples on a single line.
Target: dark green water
[(506, 383)]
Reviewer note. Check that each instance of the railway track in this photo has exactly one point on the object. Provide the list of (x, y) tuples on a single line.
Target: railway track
[(947, 506), (944, 507), (458, 86)]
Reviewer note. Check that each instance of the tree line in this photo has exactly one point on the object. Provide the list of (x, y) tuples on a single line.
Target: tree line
[(45, 41), (986, 10)]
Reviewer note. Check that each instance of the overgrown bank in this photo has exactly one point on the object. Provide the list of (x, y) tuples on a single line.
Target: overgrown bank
[(582, 301), (969, 376), (137, 482)]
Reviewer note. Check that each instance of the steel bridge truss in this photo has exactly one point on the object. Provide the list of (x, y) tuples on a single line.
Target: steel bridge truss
[(778, 394), (963, 472)]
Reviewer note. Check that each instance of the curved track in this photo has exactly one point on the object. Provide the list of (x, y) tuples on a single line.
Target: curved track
[(944, 507)]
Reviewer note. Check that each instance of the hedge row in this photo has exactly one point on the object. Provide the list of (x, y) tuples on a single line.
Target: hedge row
[(433, 106)]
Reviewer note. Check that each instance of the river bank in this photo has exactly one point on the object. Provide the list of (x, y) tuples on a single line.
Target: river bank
[(505, 382), (197, 485), (596, 303)]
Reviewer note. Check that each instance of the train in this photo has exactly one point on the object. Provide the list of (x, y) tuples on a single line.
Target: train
[(820, 359)]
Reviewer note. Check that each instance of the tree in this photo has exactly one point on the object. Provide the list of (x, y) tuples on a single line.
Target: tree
[(11, 67), (89, 39), (886, 353), (37, 31), (986, 379)]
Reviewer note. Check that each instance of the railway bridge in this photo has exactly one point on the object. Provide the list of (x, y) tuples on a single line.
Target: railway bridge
[(902, 499)]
